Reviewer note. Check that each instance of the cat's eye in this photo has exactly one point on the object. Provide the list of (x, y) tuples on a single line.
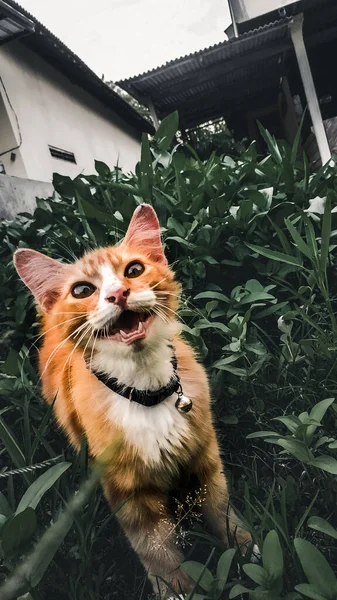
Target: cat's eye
[(82, 289), (134, 269)]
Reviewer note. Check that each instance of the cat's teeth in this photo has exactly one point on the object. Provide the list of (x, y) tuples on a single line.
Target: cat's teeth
[(140, 326), (123, 334)]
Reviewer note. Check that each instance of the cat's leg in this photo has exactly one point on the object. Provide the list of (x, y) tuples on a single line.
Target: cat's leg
[(215, 506), (151, 532)]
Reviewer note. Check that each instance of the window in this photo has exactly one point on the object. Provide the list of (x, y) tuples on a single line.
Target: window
[(62, 154)]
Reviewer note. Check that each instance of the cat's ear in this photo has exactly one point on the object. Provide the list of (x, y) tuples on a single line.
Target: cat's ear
[(44, 276), (144, 233)]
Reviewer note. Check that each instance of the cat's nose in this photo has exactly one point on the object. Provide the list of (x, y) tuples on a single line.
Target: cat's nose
[(118, 297)]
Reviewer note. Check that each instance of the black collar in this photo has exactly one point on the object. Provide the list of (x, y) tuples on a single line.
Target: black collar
[(144, 397)]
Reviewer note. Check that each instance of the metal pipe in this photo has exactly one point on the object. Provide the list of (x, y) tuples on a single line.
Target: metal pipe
[(235, 27), (296, 30)]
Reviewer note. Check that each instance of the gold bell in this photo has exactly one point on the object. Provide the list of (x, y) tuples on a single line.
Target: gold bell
[(183, 404)]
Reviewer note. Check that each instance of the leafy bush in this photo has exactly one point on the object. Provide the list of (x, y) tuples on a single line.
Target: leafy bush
[(252, 241)]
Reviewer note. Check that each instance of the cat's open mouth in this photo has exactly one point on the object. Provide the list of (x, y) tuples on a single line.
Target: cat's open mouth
[(129, 327)]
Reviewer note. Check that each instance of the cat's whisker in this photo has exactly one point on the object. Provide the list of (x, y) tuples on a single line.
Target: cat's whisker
[(92, 350), (70, 312), (168, 293), (84, 349), (58, 347), (160, 314), (70, 252), (161, 305), (185, 301), (152, 287), (53, 327), (86, 331), (175, 313)]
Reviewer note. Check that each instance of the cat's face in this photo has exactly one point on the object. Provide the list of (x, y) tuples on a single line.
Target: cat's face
[(118, 295)]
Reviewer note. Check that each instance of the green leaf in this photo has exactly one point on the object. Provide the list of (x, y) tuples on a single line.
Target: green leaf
[(262, 434), (234, 370), (11, 365), (318, 411), (255, 297), (290, 422), (43, 483), (294, 447), (272, 556), (275, 255), (271, 144), (257, 574), (223, 567), (146, 172), (325, 462), (311, 236), (219, 364), (5, 508), (212, 325), (300, 243), (181, 241), (309, 591), (178, 227), (198, 573), (296, 143), (237, 590), (102, 169), (229, 420), (17, 531), (212, 296), (326, 232), (316, 568), (166, 131), (253, 285), (323, 526), (63, 185)]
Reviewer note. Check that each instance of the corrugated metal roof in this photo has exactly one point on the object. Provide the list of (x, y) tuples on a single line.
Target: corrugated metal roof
[(235, 76), (51, 49), (203, 85)]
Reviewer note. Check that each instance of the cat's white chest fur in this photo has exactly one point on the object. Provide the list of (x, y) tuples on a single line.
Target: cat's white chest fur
[(151, 430)]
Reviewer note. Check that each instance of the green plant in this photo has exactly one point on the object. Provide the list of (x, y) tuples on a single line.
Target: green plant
[(258, 268), (302, 443)]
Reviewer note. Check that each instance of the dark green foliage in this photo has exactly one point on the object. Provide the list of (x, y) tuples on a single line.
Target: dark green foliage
[(259, 305)]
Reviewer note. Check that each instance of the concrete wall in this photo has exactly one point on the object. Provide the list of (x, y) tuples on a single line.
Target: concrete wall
[(18, 195), (46, 108)]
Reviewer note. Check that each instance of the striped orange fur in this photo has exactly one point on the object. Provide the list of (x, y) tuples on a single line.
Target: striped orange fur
[(147, 451)]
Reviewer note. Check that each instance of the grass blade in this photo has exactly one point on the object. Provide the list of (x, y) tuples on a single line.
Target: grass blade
[(326, 233), (275, 255), (299, 241), (13, 448)]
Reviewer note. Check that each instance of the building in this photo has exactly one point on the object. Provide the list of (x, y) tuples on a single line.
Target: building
[(56, 115), (253, 76)]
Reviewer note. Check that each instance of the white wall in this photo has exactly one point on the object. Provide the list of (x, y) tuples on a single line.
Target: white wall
[(53, 111)]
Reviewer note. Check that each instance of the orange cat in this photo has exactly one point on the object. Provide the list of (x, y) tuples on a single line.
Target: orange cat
[(113, 358)]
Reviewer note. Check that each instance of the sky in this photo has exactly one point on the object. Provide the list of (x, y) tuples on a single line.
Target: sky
[(121, 38)]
